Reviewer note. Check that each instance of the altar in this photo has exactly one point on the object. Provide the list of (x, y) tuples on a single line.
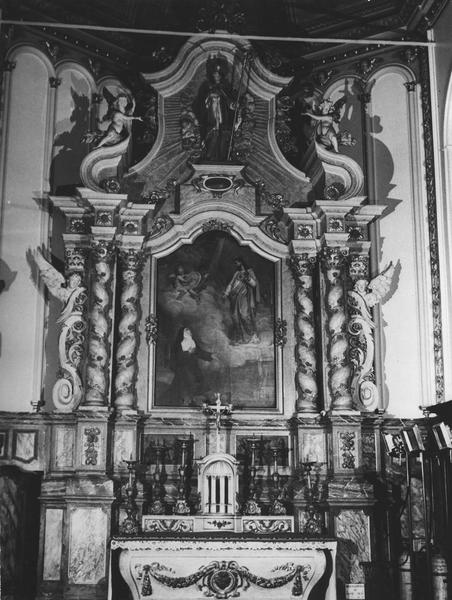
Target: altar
[(226, 566), (216, 424)]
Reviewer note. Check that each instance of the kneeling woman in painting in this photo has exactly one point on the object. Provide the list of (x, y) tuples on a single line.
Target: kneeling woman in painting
[(188, 379)]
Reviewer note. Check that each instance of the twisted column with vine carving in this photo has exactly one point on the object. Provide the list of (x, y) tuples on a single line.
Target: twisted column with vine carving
[(126, 351), (100, 322), (337, 345), (302, 266)]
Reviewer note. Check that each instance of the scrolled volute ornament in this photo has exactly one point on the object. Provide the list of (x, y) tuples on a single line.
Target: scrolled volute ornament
[(361, 299), (68, 389)]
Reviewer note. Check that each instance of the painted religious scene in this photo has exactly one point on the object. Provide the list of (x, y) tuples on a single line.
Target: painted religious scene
[(215, 307)]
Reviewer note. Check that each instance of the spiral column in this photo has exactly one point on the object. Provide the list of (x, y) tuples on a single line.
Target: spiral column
[(339, 370), (302, 266), (97, 371), (130, 263)]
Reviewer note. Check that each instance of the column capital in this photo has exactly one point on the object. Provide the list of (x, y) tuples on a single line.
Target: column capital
[(302, 264), (334, 257), (132, 217)]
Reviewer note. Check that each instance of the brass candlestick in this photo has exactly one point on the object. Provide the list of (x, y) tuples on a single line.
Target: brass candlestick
[(313, 525), (251, 506), (158, 490), (181, 506), (130, 525), (278, 493)]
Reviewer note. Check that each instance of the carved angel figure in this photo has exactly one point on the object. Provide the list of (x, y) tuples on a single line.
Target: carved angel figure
[(361, 325), (67, 291), (377, 289), (328, 115), (120, 114)]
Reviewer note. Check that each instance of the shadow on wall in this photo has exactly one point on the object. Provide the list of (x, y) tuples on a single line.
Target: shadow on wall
[(65, 167), (382, 190)]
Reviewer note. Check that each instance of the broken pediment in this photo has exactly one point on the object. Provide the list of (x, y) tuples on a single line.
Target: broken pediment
[(217, 106)]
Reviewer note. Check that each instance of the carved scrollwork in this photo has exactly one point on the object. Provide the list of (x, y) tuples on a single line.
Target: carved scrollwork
[(160, 225), (68, 389), (91, 445), (151, 328), (266, 525), (347, 449), (172, 525), (216, 225), (280, 332), (283, 127), (432, 222), (273, 227)]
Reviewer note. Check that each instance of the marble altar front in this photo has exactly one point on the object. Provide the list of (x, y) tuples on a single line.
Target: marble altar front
[(225, 566)]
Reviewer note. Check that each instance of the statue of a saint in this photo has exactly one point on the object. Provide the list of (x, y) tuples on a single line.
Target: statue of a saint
[(215, 107)]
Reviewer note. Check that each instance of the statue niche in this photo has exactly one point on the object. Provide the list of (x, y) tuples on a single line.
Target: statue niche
[(221, 114)]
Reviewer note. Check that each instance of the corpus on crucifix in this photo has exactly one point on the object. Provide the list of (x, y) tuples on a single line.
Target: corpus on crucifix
[(217, 409)]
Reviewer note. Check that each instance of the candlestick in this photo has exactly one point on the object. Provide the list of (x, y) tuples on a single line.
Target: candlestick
[(130, 525)]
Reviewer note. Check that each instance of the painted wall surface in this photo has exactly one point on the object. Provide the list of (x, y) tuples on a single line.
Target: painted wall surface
[(23, 226), (404, 345)]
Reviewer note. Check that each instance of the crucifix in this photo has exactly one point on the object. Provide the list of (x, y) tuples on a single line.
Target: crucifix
[(218, 409)]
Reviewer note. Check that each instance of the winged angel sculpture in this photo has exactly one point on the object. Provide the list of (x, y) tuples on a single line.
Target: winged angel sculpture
[(364, 296), (120, 116), (328, 115), (67, 391)]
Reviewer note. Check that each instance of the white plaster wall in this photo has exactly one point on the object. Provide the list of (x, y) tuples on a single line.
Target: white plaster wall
[(405, 360), (25, 161)]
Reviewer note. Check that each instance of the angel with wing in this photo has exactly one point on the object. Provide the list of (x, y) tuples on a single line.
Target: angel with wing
[(67, 291), (328, 115), (374, 291), (120, 114)]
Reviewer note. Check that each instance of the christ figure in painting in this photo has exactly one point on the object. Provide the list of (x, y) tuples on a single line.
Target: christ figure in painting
[(243, 293)]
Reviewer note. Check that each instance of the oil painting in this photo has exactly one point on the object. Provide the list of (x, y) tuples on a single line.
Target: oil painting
[(215, 308)]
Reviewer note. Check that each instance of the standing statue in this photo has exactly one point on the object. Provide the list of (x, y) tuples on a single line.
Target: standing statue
[(119, 115), (68, 390), (215, 108), (361, 299), (328, 115)]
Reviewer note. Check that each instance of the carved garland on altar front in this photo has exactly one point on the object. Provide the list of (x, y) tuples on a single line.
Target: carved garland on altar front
[(223, 579)]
